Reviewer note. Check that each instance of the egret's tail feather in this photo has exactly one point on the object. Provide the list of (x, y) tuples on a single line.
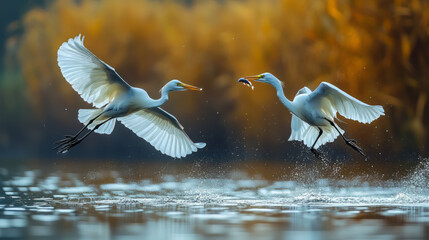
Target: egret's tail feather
[(200, 145), (301, 131), (106, 128), (329, 135), (86, 115)]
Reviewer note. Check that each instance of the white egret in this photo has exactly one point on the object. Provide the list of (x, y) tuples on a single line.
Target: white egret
[(313, 113), (99, 84)]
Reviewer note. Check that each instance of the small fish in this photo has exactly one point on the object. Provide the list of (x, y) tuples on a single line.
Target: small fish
[(246, 82)]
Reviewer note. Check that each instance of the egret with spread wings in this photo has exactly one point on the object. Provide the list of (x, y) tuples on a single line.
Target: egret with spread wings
[(313, 113), (113, 99)]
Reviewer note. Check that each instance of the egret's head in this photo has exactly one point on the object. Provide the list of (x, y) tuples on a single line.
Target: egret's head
[(266, 78), (176, 85)]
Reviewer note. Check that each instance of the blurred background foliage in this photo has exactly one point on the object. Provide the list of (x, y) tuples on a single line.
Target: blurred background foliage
[(378, 51)]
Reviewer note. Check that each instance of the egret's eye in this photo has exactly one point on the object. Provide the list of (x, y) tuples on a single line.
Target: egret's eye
[(261, 76), (179, 84)]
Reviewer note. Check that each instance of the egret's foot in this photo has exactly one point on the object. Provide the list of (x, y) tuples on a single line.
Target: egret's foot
[(66, 138), (63, 148), (352, 143), (62, 142), (316, 153)]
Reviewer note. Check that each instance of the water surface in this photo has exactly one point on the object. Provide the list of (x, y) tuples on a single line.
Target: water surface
[(189, 200)]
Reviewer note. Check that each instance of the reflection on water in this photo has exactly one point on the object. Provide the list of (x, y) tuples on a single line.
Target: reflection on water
[(92, 203)]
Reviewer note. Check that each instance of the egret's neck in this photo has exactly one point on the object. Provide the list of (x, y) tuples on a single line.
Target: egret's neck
[(162, 99), (282, 97)]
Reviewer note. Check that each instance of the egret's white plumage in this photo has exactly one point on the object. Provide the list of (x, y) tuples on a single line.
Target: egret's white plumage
[(161, 130), (100, 85), (314, 113), (86, 115), (302, 131), (95, 81), (341, 102)]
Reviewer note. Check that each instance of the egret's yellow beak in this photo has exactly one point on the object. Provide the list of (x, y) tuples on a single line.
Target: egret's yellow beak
[(256, 77), (190, 87)]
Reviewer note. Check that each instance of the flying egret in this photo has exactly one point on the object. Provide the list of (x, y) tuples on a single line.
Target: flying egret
[(99, 84), (313, 113)]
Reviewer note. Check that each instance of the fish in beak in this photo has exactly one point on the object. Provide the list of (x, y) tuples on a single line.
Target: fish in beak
[(247, 80)]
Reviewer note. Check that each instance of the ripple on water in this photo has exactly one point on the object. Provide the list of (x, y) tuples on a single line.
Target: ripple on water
[(214, 216), (347, 214), (102, 207), (150, 188), (394, 212), (11, 223), (35, 189), (22, 181), (118, 187), (45, 218), (65, 211), (14, 209), (74, 190), (262, 210)]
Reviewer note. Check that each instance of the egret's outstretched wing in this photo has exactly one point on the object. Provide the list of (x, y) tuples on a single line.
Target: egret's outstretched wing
[(94, 80), (345, 104), (161, 130)]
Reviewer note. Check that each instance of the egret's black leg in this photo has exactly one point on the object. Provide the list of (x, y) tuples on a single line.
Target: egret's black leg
[(65, 147), (69, 138), (313, 150), (350, 142)]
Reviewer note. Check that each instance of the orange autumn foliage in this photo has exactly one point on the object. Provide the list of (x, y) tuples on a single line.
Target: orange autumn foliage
[(375, 50)]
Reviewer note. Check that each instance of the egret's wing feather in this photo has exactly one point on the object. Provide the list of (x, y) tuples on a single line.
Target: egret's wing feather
[(161, 130), (95, 81), (304, 90), (345, 104), (168, 116)]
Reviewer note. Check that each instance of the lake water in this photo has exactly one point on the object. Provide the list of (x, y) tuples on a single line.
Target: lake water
[(190, 200)]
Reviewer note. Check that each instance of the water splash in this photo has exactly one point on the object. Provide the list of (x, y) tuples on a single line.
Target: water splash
[(418, 180)]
